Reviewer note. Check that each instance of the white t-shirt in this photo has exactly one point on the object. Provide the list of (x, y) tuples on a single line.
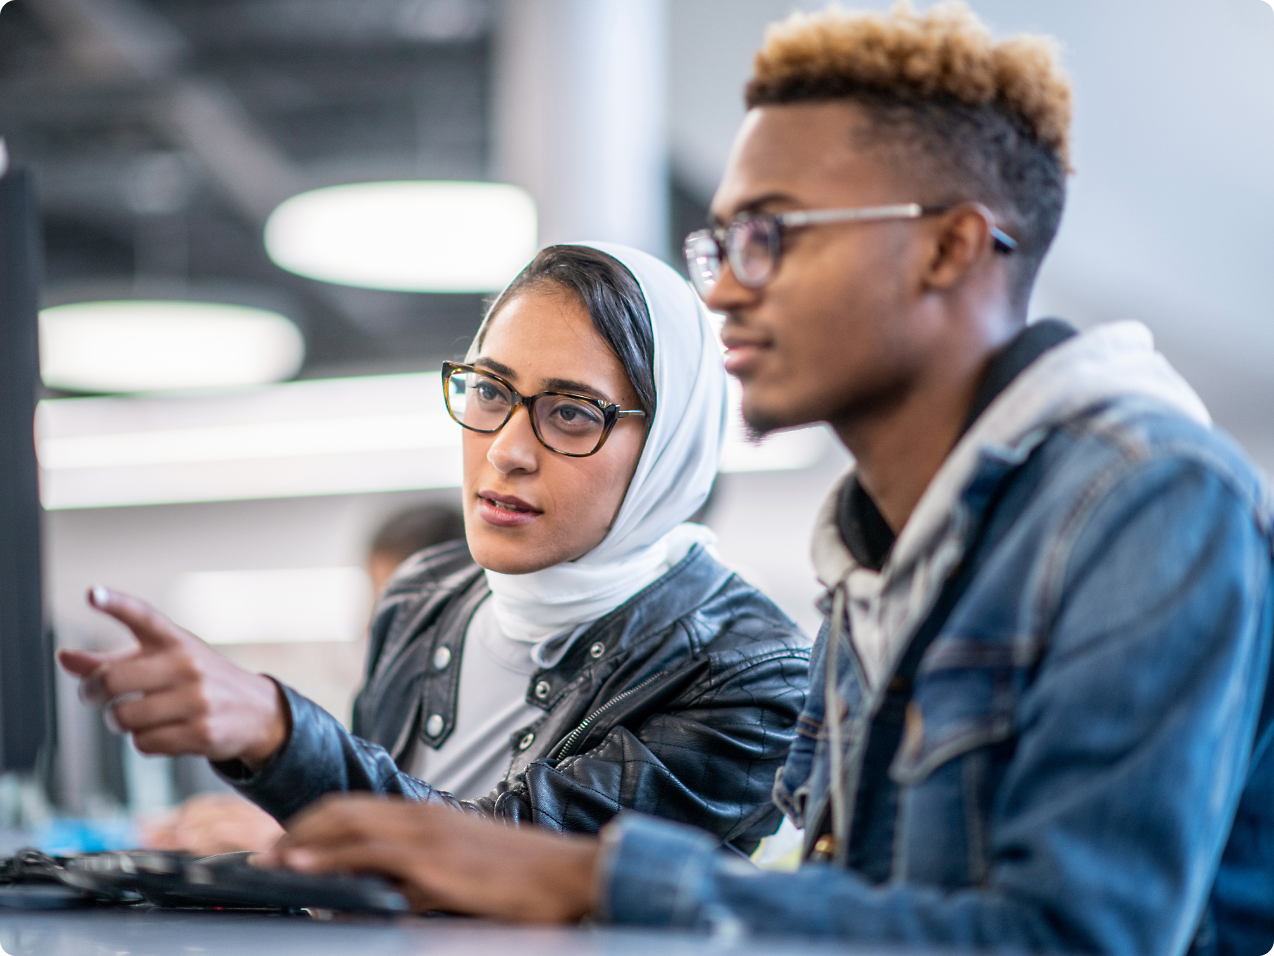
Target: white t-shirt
[(490, 706)]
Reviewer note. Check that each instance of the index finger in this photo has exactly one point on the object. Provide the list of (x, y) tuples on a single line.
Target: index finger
[(336, 817), (152, 629)]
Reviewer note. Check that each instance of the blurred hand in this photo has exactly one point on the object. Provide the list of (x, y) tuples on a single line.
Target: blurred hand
[(445, 860), (175, 694), (211, 823)]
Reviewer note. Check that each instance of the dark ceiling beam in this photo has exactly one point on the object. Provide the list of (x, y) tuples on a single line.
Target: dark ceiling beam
[(238, 158), (333, 23), (125, 37), (112, 121), (111, 37)]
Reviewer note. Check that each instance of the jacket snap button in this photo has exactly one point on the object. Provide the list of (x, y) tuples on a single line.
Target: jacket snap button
[(442, 657), (542, 689), (598, 649), (433, 726), (526, 741)]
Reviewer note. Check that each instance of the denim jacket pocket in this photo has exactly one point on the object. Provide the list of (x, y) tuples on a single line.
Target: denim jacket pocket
[(966, 697), (964, 700), (960, 725), (921, 752)]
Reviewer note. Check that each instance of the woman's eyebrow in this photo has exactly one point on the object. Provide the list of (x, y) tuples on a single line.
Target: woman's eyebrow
[(569, 385), (550, 385), (498, 367)]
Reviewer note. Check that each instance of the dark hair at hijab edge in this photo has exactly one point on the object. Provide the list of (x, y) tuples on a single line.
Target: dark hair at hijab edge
[(614, 301)]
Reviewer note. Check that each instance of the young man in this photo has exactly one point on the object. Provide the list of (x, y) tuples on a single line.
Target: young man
[(1049, 579)]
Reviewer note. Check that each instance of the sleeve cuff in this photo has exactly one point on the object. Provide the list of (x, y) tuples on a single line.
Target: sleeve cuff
[(287, 782), (653, 873), (236, 772)]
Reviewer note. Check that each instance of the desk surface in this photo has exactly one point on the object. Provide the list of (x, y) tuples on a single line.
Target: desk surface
[(132, 933)]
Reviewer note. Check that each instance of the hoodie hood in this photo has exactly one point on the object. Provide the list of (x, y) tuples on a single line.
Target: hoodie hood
[(1109, 362)]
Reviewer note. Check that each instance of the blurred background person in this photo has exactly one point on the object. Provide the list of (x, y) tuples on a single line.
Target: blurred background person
[(406, 533)]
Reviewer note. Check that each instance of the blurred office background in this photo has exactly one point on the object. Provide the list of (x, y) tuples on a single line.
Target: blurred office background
[(187, 150)]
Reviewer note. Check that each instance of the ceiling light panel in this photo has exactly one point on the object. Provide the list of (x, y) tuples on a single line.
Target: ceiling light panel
[(159, 346), (409, 236)]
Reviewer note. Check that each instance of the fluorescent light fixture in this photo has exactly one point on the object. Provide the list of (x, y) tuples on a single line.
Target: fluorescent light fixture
[(159, 346), (410, 236), (321, 437), (286, 605)]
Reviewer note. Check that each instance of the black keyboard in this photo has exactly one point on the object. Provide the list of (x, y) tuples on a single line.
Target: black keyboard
[(33, 880)]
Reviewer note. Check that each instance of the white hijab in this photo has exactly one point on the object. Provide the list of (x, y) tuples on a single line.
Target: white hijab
[(672, 480)]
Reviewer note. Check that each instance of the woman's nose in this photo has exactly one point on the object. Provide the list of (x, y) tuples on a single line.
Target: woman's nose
[(515, 447)]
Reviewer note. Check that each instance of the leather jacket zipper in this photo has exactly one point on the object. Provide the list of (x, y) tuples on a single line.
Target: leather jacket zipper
[(569, 740)]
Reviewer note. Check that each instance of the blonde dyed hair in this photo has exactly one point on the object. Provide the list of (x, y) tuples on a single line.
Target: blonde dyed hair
[(964, 116), (944, 54)]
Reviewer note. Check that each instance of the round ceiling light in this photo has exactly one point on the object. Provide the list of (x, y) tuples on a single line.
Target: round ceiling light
[(156, 346), (406, 236)]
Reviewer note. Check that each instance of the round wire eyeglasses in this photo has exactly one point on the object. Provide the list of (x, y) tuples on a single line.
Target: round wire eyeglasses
[(564, 422), (753, 243)]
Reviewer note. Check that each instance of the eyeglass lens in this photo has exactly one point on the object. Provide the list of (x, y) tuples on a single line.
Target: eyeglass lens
[(703, 260), (752, 246), (564, 424)]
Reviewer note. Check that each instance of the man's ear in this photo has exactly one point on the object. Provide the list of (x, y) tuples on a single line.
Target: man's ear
[(963, 238)]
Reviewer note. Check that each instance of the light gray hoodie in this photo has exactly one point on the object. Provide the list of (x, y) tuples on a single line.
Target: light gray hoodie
[(884, 608)]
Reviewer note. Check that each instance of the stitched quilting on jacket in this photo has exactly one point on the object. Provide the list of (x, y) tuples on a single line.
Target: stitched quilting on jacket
[(680, 703)]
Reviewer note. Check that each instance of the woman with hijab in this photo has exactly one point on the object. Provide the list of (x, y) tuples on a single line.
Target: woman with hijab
[(583, 652)]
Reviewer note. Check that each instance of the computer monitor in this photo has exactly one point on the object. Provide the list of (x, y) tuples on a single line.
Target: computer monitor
[(25, 647)]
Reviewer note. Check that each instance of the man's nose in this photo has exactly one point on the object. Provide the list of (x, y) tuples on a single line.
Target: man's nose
[(728, 292), (515, 447)]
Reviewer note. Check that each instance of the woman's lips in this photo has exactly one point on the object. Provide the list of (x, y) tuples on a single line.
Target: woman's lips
[(505, 511)]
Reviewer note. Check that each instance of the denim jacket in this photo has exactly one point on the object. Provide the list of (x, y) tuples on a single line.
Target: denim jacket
[(1087, 763)]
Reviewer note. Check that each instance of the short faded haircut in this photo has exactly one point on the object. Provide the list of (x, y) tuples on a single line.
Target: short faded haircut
[(964, 116)]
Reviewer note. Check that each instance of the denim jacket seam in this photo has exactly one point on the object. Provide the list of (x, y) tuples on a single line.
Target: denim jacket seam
[(993, 728), (1023, 649), (807, 728), (1116, 436), (1133, 456), (1056, 563), (972, 780)]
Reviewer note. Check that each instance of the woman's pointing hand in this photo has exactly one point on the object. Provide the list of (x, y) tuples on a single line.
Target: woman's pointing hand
[(175, 694)]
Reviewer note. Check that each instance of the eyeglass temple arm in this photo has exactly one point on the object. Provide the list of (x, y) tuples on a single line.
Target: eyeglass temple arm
[(1003, 241), (628, 413), (911, 210)]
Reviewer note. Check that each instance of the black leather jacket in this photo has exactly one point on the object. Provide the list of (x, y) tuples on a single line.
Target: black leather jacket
[(680, 703)]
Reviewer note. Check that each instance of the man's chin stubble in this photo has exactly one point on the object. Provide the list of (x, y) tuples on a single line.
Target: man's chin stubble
[(757, 426), (761, 422)]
